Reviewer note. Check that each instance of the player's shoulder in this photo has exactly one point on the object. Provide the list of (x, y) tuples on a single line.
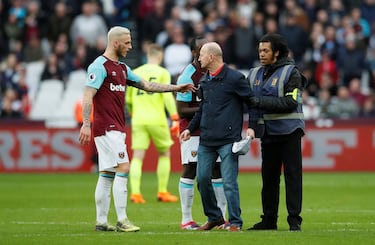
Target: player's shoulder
[(189, 69), (98, 63), (186, 74)]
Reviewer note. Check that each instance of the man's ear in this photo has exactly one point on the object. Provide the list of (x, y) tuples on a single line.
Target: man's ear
[(277, 54)]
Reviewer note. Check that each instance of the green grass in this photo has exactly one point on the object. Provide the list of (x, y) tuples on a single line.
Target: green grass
[(338, 208)]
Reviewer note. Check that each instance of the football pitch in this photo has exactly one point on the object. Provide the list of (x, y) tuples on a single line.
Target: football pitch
[(338, 208)]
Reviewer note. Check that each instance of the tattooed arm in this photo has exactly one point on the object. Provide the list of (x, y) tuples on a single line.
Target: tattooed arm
[(158, 87), (85, 133)]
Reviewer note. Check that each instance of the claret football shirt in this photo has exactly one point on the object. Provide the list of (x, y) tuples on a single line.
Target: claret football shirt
[(109, 78)]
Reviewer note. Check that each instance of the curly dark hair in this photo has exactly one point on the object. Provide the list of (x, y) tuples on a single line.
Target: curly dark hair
[(278, 43)]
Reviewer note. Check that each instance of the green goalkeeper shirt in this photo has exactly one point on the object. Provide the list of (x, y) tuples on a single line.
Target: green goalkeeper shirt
[(148, 108)]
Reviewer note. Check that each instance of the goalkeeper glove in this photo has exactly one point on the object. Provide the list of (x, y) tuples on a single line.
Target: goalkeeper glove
[(175, 125)]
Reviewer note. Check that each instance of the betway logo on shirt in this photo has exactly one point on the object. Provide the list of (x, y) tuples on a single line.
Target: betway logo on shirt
[(117, 88)]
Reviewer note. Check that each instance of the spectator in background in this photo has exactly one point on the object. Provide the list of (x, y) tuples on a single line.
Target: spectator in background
[(292, 7), (258, 25), (18, 9), (170, 23), (79, 58), (343, 31), (164, 37), (244, 43), (336, 10), (310, 107), (368, 109), (221, 36), (326, 65), (59, 23), (330, 45), (327, 83), (356, 56), (270, 9), (226, 12), (311, 7), (198, 29), (95, 51), (33, 22), (23, 91), (356, 93), (271, 25), (64, 57), (14, 91), (324, 102), (367, 8), (33, 50), (343, 106), (117, 12), (153, 22), (11, 106), (246, 8), (177, 54), (316, 40), (360, 25), (212, 20), (88, 25), (189, 12), (9, 74), (13, 29), (322, 17), (295, 36), (3, 39), (51, 69)]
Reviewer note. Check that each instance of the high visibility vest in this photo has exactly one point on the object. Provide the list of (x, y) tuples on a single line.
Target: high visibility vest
[(277, 123)]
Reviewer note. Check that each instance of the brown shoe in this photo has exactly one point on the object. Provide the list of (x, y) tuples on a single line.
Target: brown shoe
[(234, 228), (211, 224)]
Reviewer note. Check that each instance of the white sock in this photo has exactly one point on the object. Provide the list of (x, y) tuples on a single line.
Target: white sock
[(218, 186), (120, 195), (103, 197), (186, 189)]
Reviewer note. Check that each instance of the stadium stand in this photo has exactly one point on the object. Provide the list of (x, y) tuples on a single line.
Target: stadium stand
[(47, 100)]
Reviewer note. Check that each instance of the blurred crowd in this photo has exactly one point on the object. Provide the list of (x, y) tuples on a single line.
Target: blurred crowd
[(332, 42)]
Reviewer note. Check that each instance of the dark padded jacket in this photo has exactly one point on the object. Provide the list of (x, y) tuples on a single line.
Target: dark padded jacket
[(284, 104), (220, 115)]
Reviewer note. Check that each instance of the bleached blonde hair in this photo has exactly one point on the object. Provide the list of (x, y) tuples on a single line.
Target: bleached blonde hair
[(115, 32)]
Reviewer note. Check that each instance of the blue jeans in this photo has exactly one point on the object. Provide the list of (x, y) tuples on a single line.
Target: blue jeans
[(207, 156)]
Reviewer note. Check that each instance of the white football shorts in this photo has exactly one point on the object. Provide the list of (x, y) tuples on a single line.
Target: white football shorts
[(111, 150), (189, 150)]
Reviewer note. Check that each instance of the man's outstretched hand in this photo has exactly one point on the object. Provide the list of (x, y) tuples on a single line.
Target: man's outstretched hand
[(186, 88)]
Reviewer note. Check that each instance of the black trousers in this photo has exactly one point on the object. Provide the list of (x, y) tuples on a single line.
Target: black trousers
[(277, 154)]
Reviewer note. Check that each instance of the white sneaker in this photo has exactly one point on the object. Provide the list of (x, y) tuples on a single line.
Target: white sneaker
[(126, 226)]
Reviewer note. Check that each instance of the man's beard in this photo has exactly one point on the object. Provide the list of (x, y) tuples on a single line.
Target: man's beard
[(119, 54)]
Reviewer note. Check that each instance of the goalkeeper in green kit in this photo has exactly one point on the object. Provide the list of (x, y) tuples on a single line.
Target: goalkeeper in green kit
[(149, 121)]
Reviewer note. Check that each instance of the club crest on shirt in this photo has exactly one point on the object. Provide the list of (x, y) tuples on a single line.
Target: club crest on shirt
[(194, 153), (257, 82), (274, 81), (121, 155), (114, 73), (123, 72), (92, 76)]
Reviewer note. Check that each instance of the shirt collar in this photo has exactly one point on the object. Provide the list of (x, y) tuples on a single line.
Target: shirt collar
[(214, 74)]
